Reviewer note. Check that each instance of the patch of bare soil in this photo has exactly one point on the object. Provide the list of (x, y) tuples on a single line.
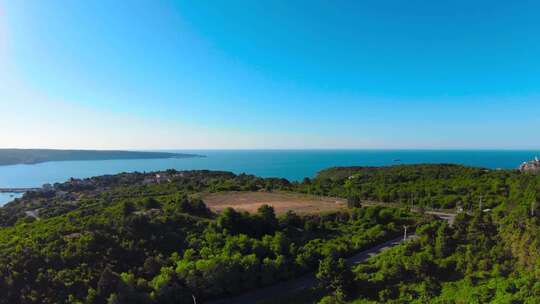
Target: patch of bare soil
[(281, 201)]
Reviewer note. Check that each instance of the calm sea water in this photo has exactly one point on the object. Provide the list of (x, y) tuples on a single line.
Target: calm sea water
[(8, 197), (290, 164)]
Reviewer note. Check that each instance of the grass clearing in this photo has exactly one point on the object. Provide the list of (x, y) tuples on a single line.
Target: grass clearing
[(281, 201)]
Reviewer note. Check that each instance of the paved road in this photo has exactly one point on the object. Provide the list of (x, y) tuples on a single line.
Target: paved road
[(449, 217), (309, 280), (32, 213), (304, 282), (443, 214)]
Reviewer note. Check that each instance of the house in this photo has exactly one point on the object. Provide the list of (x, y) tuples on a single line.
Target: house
[(530, 166)]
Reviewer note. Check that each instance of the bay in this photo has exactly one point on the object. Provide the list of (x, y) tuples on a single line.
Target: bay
[(290, 164), (8, 197)]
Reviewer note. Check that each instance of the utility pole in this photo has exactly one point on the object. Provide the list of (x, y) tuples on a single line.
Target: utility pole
[(405, 232), (480, 203)]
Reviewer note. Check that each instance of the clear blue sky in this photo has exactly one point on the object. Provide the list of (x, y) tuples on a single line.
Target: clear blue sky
[(270, 74)]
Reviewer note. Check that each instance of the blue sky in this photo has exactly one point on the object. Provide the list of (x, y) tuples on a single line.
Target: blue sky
[(269, 74)]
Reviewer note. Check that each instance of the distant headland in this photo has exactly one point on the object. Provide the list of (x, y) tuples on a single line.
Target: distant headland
[(34, 156)]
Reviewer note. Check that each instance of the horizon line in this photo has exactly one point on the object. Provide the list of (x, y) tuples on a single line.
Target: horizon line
[(280, 149)]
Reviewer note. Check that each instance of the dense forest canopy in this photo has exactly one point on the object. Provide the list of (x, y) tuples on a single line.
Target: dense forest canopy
[(150, 238), (159, 243), (482, 258), (433, 186)]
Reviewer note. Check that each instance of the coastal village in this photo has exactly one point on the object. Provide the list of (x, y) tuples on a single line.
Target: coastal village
[(530, 166), (66, 195)]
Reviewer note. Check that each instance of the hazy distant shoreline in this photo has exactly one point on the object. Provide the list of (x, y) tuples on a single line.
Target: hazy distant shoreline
[(35, 156)]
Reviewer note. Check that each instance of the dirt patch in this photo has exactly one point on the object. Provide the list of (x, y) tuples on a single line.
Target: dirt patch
[(281, 201)]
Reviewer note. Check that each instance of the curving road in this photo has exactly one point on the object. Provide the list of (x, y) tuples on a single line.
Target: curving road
[(303, 282), (309, 280), (449, 217)]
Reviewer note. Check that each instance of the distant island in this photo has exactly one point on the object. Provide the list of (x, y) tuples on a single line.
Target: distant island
[(34, 156)]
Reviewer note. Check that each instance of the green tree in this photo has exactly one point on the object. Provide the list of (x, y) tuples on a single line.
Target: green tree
[(151, 203), (128, 208), (334, 276), (353, 201), (268, 218), (107, 283)]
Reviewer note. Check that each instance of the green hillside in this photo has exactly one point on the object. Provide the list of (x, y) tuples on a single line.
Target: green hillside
[(149, 238)]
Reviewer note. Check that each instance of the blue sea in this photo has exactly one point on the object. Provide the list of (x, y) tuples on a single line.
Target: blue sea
[(290, 164)]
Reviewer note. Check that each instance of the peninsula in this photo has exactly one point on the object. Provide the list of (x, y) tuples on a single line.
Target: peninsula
[(34, 156)]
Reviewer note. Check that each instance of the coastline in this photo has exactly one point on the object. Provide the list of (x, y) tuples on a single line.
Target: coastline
[(10, 157), (293, 165)]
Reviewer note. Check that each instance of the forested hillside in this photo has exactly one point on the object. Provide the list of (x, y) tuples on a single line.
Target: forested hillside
[(490, 254), (430, 186), (484, 258), (150, 238), (133, 242)]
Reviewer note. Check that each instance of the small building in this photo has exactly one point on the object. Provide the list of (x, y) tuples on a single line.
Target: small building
[(530, 166)]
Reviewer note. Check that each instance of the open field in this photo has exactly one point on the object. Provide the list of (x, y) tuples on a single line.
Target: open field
[(281, 201), (299, 203)]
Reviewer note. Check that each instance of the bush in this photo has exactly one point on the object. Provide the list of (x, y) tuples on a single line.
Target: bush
[(353, 201)]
